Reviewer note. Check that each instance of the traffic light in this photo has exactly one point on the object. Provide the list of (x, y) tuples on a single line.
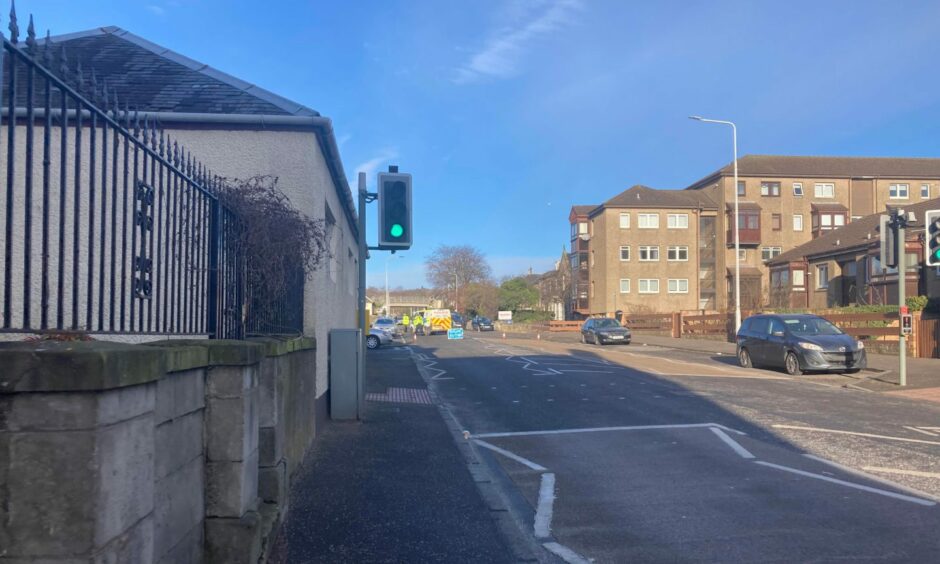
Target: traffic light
[(394, 211), (932, 228), (889, 245)]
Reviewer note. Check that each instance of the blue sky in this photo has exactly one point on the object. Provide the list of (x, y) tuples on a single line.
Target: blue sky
[(507, 112)]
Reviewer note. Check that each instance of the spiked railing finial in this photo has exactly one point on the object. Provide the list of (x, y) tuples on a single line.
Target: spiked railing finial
[(13, 27), (79, 78), (47, 51), (176, 154), (94, 86), (31, 37), (136, 123), (153, 134), (63, 64)]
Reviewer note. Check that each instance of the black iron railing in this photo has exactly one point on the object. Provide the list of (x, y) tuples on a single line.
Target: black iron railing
[(107, 226)]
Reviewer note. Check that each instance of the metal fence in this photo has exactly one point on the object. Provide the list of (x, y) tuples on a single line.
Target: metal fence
[(107, 225)]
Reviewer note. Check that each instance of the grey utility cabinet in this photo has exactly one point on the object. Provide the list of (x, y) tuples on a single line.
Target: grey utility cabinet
[(347, 392)]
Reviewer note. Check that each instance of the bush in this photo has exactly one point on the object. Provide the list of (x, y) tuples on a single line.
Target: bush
[(531, 316), (917, 303)]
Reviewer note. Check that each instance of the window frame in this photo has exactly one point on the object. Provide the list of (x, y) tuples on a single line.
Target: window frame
[(641, 216), (770, 189), (627, 247), (622, 216), (648, 290), (776, 222), (678, 249), (822, 283), (669, 282), (771, 250), (742, 188), (798, 216), (622, 280), (671, 216), (896, 187), (925, 187), (648, 249), (818, 185), (798, 189)]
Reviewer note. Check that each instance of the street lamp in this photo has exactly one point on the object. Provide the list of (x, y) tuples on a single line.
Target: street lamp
[(737, 227), (388, 309), (456, 300)]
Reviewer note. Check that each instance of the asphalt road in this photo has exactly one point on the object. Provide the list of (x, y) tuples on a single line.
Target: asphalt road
[(630, 454)]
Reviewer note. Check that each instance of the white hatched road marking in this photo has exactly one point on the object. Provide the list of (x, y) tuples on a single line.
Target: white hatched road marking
[(735, 446), (840, 432), (903, 472), (923, 430), (524, 461)]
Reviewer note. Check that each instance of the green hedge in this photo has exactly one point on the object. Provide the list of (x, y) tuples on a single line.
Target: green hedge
[(531, 316)]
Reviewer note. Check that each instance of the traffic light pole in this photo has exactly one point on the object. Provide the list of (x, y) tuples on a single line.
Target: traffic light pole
[(902, 299), (363, 256)]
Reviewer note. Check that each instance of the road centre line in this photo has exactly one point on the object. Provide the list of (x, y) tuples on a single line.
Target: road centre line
[(840, 432), (886, 493), (735, 446), (565, 553), (524, 461), (603, 429), (543, 512), (902, 472)]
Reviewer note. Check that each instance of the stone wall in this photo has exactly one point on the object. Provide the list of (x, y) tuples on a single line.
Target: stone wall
[(180, 451)]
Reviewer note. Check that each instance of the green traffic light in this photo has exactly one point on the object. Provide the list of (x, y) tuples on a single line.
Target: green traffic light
[(397, 230), (936, 254)]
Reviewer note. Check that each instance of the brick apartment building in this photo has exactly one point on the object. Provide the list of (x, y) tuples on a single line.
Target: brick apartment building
[(784, 202)]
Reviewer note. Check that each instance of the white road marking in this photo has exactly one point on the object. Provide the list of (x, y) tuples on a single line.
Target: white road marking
[(603, 429), (591, 371), (902, 472), (869, 489), (543, 513), (513, 456), (922, 430), (565, 553), (735, 446), (840, 432)]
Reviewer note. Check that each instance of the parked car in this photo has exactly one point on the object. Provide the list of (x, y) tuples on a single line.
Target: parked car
[(383, 336), (385, 323), (603, 330), (456, 321), (483, 324), (798, 343)]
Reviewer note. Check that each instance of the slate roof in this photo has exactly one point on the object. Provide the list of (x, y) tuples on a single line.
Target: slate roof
[(829, 167), (582, 210), (152, 78), (640, 196), (854, 234)]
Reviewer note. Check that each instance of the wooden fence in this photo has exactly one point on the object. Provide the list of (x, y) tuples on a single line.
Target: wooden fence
[(564, 326)]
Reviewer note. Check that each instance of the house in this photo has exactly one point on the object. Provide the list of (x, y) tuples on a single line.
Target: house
[(238, 130), (843, 267), (637, 259), (554, 288)]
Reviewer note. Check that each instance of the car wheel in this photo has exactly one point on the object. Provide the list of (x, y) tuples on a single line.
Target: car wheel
[(792, 364), (744, 359), (372, 342)]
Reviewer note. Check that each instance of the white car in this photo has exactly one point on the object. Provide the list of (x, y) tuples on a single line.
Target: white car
[(384, 333)]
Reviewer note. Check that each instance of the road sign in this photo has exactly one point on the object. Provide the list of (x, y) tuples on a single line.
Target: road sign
[(907, 323), (504, 316), (455, 333)]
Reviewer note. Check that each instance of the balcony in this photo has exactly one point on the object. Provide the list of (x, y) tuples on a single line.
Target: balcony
[(748, 223), (750, 237)]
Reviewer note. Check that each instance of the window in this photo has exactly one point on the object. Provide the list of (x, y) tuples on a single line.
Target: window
[(797, 188), (776, 222), (799, 279), (649, 285), (850, 269), (582, 228), (678, 286), (768, 253), (898, 191), (822, 276), (625, 221), (825, 190), (648, 220), (748, 220), (678, 221), (838, 219), (625, 253), (742, 255), (828, 221), (925, 191), (742, 188), (649, 254), (677, 253), (797, 222), (771, 189), (624, 285)]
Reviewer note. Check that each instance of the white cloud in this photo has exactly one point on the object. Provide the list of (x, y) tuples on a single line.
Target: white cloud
[(156, 10), (371, 166), (343, 139), (499, 58)]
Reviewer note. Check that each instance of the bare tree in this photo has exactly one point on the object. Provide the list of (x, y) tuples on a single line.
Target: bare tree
[(463, 263)]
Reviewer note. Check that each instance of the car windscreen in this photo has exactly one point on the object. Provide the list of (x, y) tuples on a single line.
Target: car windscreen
[(606, 323), (810, 326), (483, 321)]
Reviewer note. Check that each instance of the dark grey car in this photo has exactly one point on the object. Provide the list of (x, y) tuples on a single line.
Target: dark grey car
[(604, 330), (798, 343)]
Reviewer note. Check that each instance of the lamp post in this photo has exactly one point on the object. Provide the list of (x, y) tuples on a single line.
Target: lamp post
[(388, 309), (456, 300), (737, 227)]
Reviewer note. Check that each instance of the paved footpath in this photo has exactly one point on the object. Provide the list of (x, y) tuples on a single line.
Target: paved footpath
[(393, 488)]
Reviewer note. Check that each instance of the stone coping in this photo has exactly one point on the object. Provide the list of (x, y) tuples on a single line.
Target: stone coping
[(54, 366)]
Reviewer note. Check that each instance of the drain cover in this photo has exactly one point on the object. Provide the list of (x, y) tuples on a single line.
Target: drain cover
[(402, 395)]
